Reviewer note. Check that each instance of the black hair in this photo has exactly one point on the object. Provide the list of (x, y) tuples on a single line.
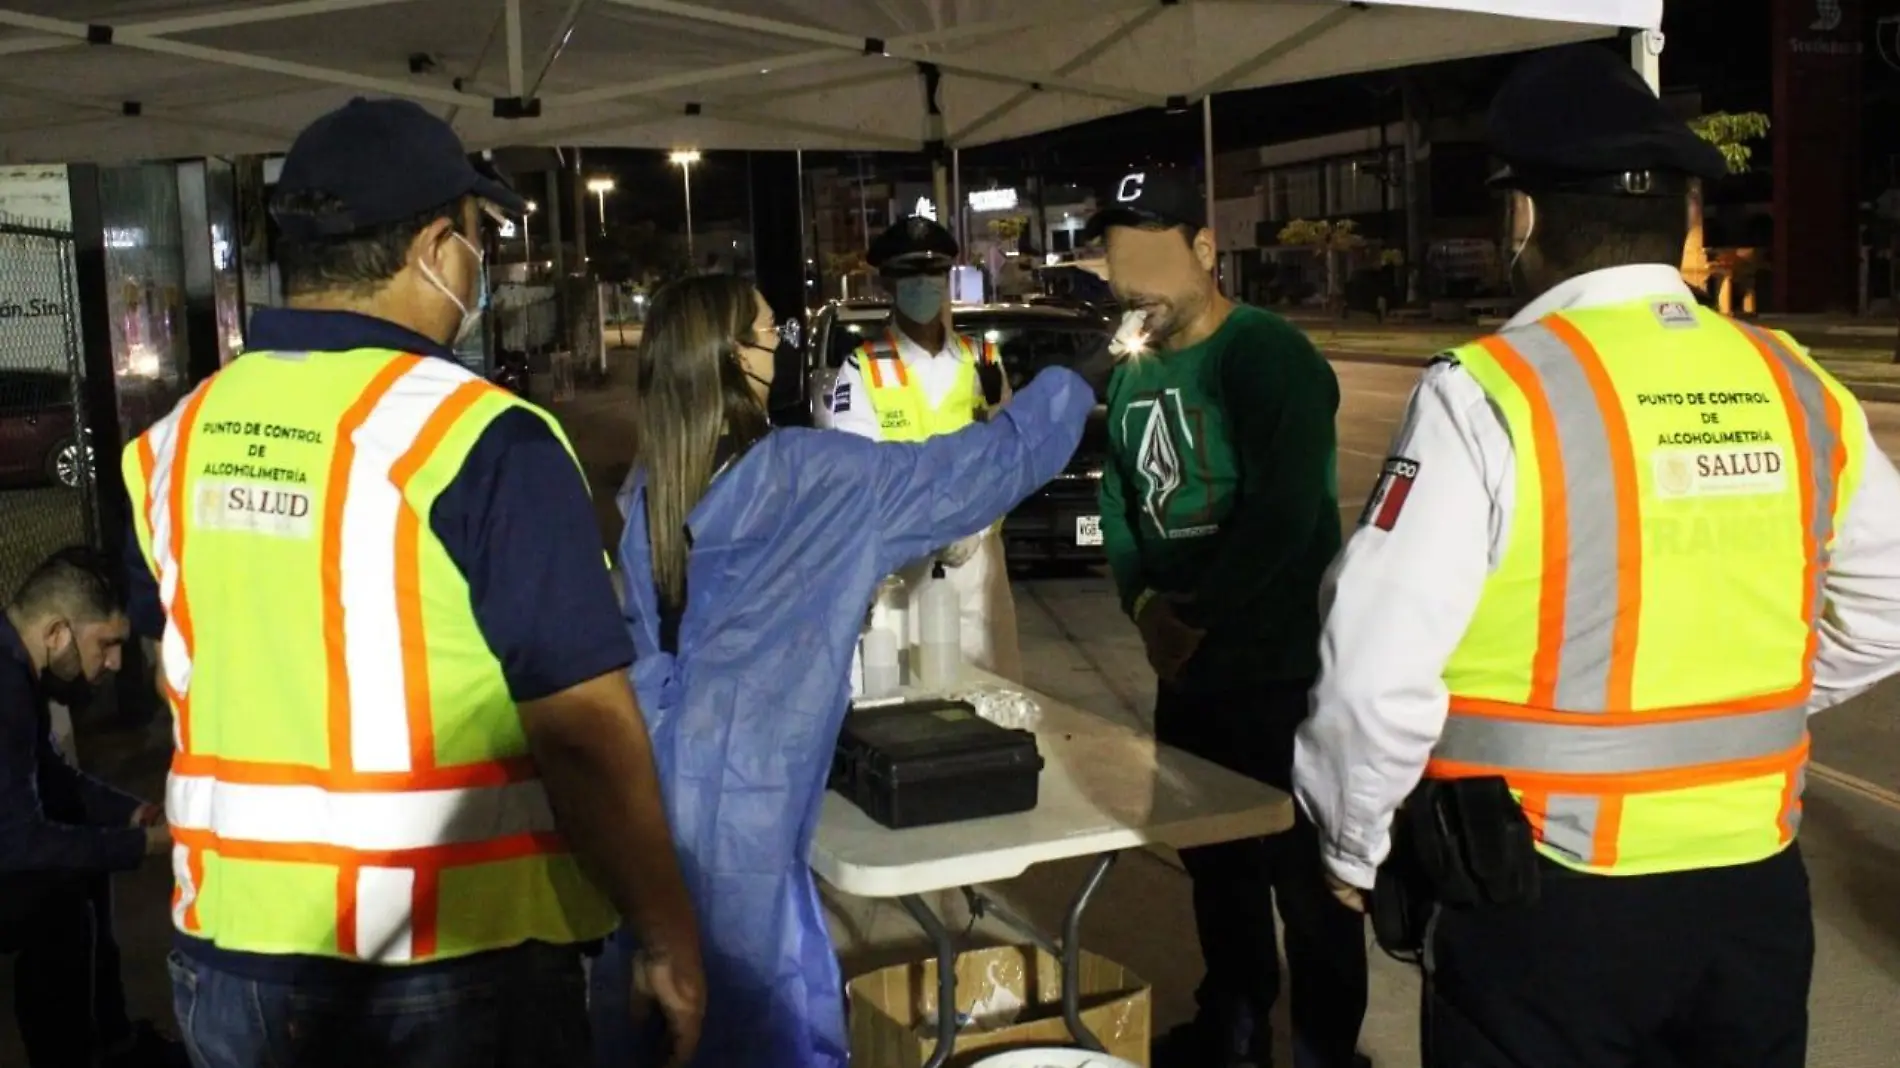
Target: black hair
[(78, 582), (358, 262), (1579, 232)]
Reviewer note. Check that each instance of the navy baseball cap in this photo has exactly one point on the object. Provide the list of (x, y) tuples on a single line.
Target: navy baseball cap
[(1166, 195), (382, 161)]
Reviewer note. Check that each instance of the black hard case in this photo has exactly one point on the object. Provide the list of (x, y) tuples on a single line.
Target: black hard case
[(927, 762)]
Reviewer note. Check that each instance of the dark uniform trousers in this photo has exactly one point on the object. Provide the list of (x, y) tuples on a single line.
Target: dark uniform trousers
[(1237, 885), (1697, 969), (67, 995)]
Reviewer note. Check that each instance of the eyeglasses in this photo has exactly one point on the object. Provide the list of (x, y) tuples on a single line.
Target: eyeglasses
[(787, 332)]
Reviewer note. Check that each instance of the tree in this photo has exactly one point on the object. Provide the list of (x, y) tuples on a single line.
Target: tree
[(1731, 133), (1326, 238), (1008, 228)]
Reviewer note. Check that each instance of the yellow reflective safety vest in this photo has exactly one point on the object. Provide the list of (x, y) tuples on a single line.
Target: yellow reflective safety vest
[(351, 778), (1641, 655), (903, 413)]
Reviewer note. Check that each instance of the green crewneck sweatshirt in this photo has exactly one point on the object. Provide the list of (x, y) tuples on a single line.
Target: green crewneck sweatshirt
[(1223, 485)]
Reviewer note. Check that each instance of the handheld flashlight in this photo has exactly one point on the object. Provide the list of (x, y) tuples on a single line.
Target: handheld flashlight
[(1131, 339)]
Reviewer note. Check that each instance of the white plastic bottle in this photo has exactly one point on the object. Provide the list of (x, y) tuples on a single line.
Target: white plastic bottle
[(887, 613), (939, 647), (878, 649)]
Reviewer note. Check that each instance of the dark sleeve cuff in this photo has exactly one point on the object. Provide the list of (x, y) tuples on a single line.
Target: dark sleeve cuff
[(122, 850), (106, 805)]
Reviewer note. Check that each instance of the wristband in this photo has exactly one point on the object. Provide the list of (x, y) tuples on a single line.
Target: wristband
[(1141, 602)]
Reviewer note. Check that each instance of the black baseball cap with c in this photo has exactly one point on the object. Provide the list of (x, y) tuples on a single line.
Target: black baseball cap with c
[(1166, 196), (379, 162)]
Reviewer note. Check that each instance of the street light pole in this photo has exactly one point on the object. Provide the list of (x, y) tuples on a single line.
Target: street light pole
[(686, 181), (685, 160), (600, 187), (527, 237)]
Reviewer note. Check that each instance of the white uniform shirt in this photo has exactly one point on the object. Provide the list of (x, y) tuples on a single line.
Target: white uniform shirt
[(849, 406), (988, 610), (1398, 601)]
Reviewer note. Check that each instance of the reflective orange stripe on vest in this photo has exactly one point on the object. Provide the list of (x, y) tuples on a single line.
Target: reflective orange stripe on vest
[(164, 508), (382, 811), (872, 359), (870, 356), (1577, 766)]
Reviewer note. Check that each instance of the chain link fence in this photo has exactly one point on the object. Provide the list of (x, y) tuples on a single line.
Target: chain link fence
[(46, 452)]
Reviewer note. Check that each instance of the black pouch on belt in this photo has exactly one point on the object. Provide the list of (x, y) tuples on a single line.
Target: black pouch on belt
[(1473, 843), (1401, 903)]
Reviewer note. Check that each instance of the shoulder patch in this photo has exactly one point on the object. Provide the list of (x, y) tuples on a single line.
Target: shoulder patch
[(1675, 314), (840, 398), (1389, 493)]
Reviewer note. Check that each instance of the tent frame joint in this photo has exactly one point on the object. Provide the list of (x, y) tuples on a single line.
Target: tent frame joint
[(513, 107), (98, 33), (875, 46)]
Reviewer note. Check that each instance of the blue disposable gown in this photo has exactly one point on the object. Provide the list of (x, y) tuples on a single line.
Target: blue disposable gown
[(788, 547)]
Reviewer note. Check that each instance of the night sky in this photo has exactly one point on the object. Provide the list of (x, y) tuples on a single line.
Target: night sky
[(1719, 47)]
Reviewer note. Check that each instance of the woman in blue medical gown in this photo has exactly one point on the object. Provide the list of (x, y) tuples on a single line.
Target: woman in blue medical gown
[(749, 559)]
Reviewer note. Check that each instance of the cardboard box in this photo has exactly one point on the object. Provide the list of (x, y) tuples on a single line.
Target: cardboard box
[(893, 1010)]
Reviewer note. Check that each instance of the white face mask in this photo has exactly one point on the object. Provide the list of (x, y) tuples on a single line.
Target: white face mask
[(471, 316)]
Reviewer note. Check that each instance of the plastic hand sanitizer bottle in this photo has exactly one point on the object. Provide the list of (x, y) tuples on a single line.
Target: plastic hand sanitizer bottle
[(940, 649), (879, 651)]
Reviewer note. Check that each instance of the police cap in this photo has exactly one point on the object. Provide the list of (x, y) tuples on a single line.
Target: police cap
[(1579, 119), (913, 246)]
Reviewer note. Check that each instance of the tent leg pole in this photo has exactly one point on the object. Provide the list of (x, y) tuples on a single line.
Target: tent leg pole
[(805, 255), (956, 200), (1207, 158)]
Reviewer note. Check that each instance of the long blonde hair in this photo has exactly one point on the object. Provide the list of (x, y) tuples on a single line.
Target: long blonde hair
[(691, 390)]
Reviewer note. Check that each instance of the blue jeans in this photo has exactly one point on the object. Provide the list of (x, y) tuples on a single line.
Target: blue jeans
[(518, 1008)]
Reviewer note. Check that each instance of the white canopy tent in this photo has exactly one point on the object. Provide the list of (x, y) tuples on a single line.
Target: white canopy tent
[(87, 80)]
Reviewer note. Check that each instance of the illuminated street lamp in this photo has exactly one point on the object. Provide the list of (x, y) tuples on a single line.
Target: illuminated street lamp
[(527, 246), (600, 187), (685, 159)]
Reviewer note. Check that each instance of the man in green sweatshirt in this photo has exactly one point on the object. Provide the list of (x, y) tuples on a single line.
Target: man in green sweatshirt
[(1220, 513)]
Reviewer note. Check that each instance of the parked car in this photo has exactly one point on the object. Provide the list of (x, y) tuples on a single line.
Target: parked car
[(511, 373), (39, 437), (1062, 521)]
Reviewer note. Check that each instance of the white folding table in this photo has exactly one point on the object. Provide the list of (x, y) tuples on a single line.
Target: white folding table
[(1105, 789)]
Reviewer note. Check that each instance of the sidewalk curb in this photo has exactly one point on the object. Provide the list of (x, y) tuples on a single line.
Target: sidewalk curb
[(1878, 392)]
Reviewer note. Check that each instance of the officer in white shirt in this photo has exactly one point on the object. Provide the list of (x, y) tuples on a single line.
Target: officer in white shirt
[(1615, 959), (915, 378)]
